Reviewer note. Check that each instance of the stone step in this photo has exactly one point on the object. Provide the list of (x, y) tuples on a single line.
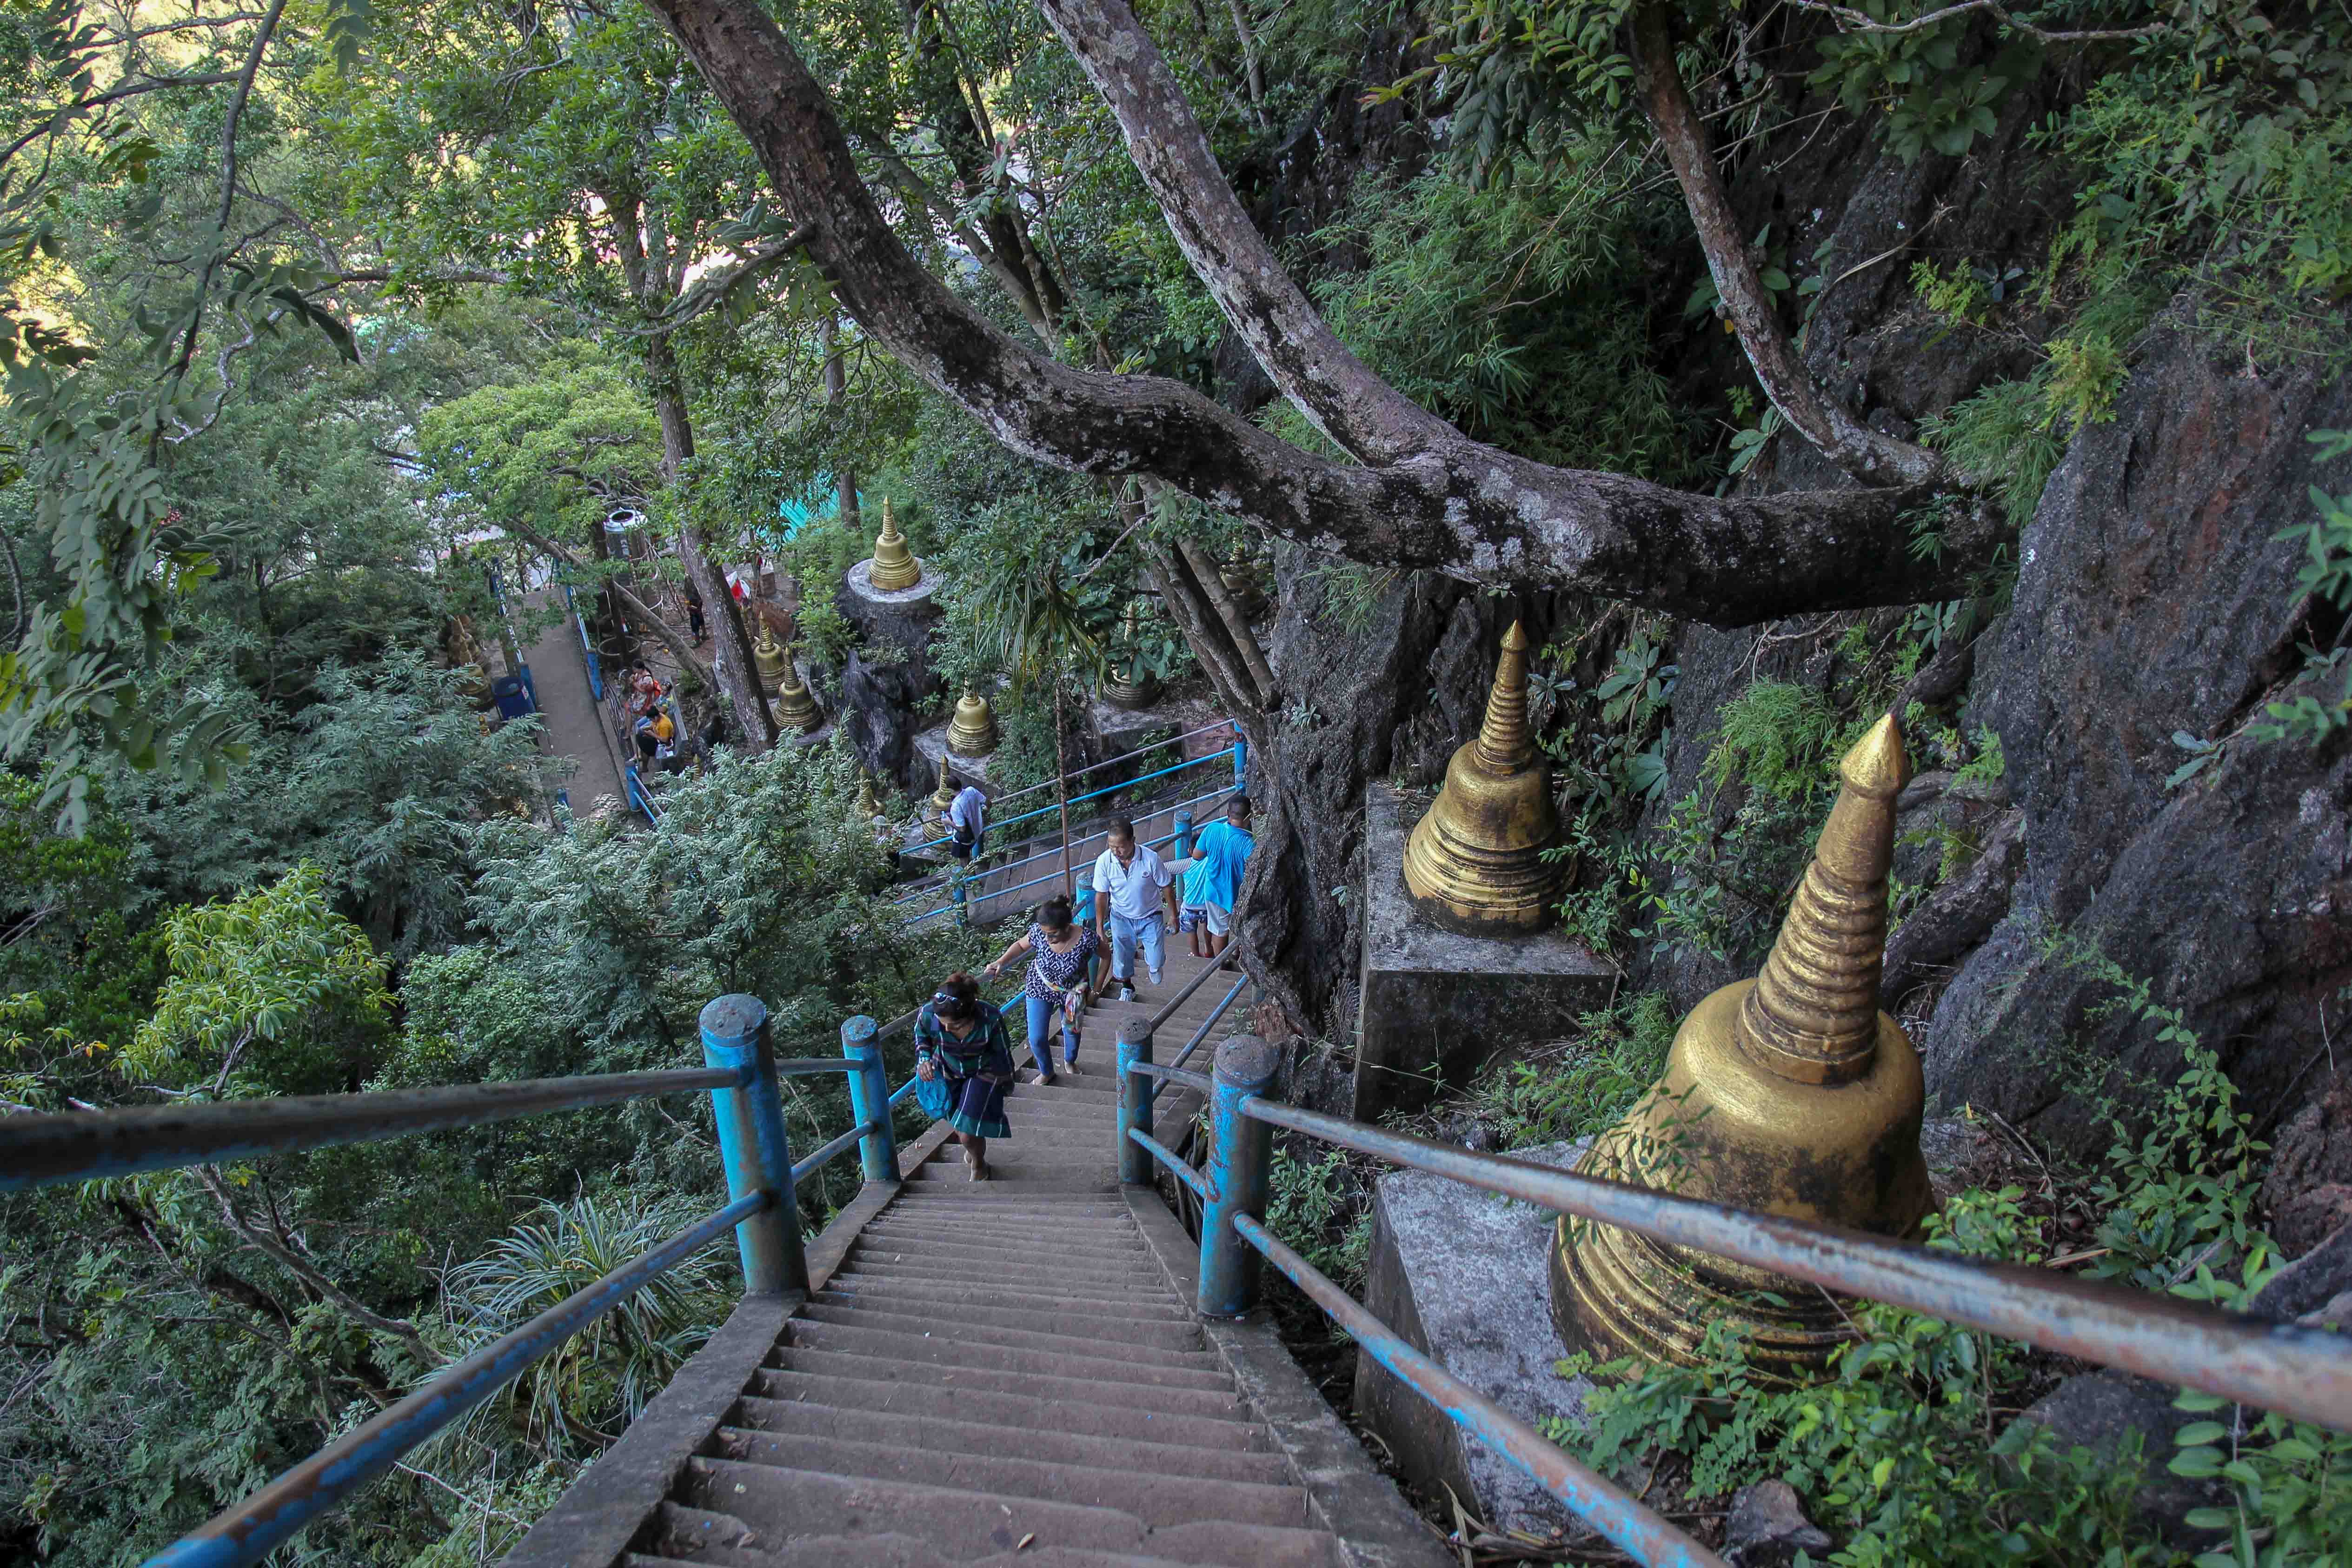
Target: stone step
[(773, 1506), (1066, 1322), (1068, 1334), (1044, 1239), (1009, 1275), (1069, 1386), (931, 1432), (1051, 1207), (949, 1284), (1011, 1260), (1015, 1353), (1021, 1186), (1157, 1500), (1029, 1408), (866, 1289)]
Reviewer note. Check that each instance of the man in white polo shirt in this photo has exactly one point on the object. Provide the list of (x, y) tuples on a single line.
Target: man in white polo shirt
[(1131, 884)]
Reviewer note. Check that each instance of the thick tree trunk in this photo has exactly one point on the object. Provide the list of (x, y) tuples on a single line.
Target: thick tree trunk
[(738, 676), (1421, 495)]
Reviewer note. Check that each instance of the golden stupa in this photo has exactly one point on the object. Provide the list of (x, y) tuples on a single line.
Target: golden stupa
[(867, 805), (1132, 688), (973, 731), (945, 796), (894, 567), (1789, 1094), (1474, 862), (794, 706), (768, 657)]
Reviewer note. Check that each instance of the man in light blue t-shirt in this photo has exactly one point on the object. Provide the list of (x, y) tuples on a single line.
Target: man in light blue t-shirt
[(1212, 878)]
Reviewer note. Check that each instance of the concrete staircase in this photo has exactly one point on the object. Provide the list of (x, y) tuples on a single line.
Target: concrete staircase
[(1000, 1372)]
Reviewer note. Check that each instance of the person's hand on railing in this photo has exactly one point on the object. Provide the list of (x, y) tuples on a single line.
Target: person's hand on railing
[(924, 1069)]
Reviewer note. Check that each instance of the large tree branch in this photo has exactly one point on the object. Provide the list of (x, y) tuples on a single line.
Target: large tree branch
[(1366, 416), (1445, 504), (1868, 455)]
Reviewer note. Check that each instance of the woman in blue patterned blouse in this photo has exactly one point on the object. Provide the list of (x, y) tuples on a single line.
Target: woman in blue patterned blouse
[(1058, 982), (961, 1038)]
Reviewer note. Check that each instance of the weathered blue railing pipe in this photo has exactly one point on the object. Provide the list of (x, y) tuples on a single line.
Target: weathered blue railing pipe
[(1152, 1149), (1642, 1534), (1168, 1073), (249, 1532), (840, 1143), (752, 1146), (1200, 1033), (1074, 800), (79, 1146), (1133, 1050), (2302, 1374), (869, 1098), (1238, 1173)]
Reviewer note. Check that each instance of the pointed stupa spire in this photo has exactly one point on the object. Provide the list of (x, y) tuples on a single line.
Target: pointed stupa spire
[(1503, 742), (1813, 1014), (1474, 863), (894, 567)]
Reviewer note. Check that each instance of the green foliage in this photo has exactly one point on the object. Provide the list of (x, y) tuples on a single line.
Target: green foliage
[(1353, 593), (2005, 430), (276, 974), (1988, 765), (2292, 1480), (1932, 98), (1503, 306), (1776, 737), (2325, 577), (553, 453), (1317, 1208), (580, 1396), (1585, 1086)]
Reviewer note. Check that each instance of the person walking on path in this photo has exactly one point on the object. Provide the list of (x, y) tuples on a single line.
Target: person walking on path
[(960, 1039), (1131, 883), (967, 820), (1212, 878), (694, 614), (1059, 980)]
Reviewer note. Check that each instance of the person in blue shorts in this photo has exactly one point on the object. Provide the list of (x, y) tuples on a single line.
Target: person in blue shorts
[(1212, 878)]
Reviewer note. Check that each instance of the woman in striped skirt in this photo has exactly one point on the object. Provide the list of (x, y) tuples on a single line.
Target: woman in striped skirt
[(961, 1037)]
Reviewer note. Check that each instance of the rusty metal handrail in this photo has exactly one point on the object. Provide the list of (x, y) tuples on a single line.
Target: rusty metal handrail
[(2302, 1374), (1644, 1535), (83, 1145)]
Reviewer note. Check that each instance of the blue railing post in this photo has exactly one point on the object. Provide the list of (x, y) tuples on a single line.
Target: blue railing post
[(1083, 911), (869, 1099), (752, 1145), (1239, 1152), (1184, 845), (1241, 764), (959, 894), (1134, 1100)]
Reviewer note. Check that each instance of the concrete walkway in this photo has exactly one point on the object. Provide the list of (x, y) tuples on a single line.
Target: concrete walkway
[(570, 725)]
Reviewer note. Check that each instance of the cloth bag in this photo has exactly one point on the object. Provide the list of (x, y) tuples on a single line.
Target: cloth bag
[(934, 1096)]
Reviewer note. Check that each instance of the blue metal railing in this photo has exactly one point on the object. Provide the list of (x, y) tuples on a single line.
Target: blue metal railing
[(742, 1075), (2303, 1373), (959, 904)]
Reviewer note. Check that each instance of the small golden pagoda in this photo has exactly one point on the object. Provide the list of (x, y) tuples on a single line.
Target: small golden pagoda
[(868, 806), (894, 567), (973, 731), (768, 657), (1134, 689), (1789, 1094), (794, 707), (1474, 862), (944, 797)]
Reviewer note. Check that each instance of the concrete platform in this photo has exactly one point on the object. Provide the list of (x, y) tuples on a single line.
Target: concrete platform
[(1437, 1006), (1461, 1274)]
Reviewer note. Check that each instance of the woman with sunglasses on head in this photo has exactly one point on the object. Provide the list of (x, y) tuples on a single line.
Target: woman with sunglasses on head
[(960, 1041), (1058, 982)]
